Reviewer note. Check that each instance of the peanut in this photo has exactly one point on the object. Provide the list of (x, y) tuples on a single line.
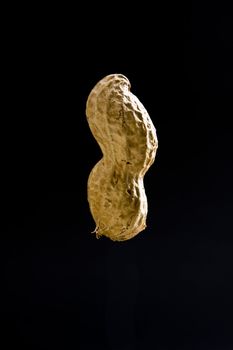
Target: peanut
[(128, 141)]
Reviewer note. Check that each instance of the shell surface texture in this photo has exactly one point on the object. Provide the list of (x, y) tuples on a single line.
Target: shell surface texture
[(127, 138)]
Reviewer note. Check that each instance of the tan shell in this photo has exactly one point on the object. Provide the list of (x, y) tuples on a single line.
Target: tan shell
[(127, 138)]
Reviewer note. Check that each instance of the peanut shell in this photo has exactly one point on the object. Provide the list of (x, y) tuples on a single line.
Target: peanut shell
[(127, 137)]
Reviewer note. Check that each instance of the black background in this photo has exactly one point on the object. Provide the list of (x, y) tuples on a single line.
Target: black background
[(171, 286)]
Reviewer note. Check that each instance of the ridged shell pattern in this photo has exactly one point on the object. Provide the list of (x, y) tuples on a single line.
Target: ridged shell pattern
[(127, 137)]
